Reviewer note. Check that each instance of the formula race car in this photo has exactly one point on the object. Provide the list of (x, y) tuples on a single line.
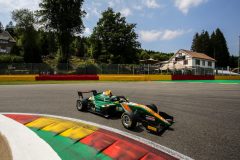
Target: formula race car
[(107, 105)]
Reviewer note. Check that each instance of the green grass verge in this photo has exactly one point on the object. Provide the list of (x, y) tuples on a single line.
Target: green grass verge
[(209, 81), (76, 82)]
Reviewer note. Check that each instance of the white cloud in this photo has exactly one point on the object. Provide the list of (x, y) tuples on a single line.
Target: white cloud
[(92, 11), (149, 36), (87, 31), (154, 35), (113, 3), (172, 34), (185, 5), (126, 12), (10, 5), (152, 4)]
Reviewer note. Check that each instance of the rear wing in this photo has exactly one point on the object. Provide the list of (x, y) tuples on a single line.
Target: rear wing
[(80, 93)]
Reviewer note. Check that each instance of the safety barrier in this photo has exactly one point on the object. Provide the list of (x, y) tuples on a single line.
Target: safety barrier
[(66, 77), (114, 77), (227, 77), (159, 77), (192, 77), (17, 77), (125, 77)]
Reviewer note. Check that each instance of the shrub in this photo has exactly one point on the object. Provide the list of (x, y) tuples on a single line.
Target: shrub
[(11, 59)]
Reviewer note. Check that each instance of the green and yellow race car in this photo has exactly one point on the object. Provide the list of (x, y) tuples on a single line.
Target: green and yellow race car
[(107, 105)]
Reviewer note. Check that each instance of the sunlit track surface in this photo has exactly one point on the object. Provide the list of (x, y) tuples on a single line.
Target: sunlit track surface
[(206, 115)]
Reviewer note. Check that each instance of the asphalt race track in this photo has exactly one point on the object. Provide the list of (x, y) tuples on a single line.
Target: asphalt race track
[(206, 115)]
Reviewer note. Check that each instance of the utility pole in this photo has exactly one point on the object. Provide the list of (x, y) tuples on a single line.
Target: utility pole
[(239, 57)]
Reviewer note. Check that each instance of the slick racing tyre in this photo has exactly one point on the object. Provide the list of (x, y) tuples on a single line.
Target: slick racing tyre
[(81, 105), (128, 120)]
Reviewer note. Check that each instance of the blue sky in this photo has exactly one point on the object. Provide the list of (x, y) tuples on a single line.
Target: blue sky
[(162, 25)]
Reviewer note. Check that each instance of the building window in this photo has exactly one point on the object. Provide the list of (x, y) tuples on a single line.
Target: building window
[(209, 64), (203, 63), (197, 62), (185, 62)]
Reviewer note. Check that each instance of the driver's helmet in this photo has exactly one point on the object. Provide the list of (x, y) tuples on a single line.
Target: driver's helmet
[(107, 93)]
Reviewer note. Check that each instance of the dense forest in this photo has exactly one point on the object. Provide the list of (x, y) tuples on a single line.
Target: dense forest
[(214, 45), (54, 33)]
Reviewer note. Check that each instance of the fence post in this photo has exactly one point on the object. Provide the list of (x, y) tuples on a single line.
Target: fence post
[(118, 69), (133, 69), (148, 68)]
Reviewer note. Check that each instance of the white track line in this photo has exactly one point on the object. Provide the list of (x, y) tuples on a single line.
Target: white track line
[(228, 83), (24, 143), (140, 139)]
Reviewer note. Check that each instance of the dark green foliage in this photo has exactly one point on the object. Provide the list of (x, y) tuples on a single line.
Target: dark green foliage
[(1, 27), (16, 50), (214, 46), (114, 40), (80, 46), (25, 21), (31, 47), (160, 56), (201, 43), (48, 43), (233, 61), (10, 59), (220, 48), (65, 17), (195, 43), (24, 18), (10, 29)]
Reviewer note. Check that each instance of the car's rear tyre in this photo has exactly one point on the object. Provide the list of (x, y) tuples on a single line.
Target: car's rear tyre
[(153, 107), (128, 120), (79, 105)]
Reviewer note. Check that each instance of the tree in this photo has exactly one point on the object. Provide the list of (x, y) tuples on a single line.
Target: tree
[(195, 42), (1, 27), (214, 46), (114, 40), (220, 48), (64, 17), (10, 29), (24, 18), (31, 46), (201, 43), (233, 61), (25, 21), (81, 46), (48, 43)]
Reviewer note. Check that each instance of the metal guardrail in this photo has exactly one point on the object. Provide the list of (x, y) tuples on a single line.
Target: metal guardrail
[(42, 68)]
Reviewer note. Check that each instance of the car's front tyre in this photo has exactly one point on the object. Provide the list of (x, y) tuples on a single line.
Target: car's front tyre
[(128, 120)]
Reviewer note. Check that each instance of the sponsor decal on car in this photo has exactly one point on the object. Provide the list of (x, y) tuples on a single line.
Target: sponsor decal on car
[(150, 118), (152, 128)]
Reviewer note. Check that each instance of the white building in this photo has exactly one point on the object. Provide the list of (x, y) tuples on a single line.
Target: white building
[(188, 61), (6, 42)]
